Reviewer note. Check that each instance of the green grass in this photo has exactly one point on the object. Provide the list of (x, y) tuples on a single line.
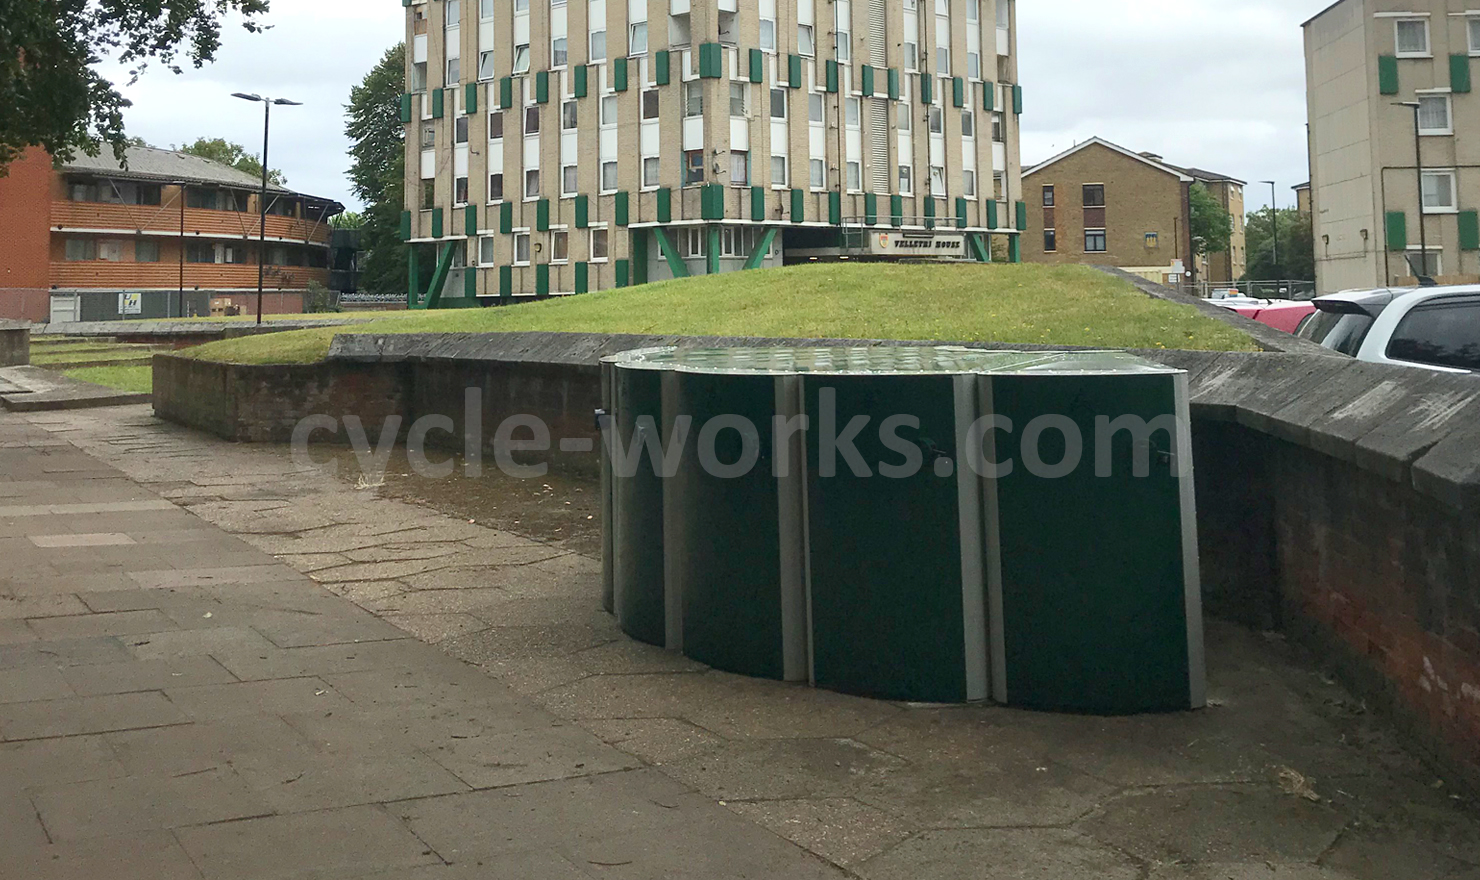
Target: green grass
[(140, 379), (1050, 305), (73, 356)]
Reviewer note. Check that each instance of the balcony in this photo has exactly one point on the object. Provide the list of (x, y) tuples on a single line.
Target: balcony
[(103, 274), (166, 219)]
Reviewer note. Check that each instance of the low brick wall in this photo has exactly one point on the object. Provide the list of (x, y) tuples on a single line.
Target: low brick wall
[(15, 343)]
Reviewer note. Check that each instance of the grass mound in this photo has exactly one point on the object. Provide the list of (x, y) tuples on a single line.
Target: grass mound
[(137, 379)]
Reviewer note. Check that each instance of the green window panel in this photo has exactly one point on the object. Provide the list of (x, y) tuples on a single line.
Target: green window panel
[(470, 283), (665, 205), (470, 221), (583, 212), (757, 203), (958, 92), (712, 202), (621, 202), (868, 81), (405, 108), (506, 218), (405, 225), (870, 209), (929, 213), (835, 208), (1387, 74), (506, 93), (896, 210), (1469, 230), (581, 75), (542, 215), (1015, 249), (927, 92), (436, 223), (832, 77), (663, 66), (757, 66), (438, 98), (711, 61), (542, 280), (1022, 216), (893, 84), (989, 96), (470, 99), (991, 213), (961, 213), (798, 206), (1017, 100), (506, 283), (794, 71), (619, 75), (583, 277), (1397, 231), (623, 273), (1459, 74), (542, 87)]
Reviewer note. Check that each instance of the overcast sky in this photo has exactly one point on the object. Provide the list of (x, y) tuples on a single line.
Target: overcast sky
[(1217, 84)]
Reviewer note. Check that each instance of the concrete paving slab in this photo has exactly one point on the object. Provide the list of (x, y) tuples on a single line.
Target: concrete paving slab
[(132, 804), (25, 765), (195, 642), (1001, 854), (276, 697), (71, 716), (145, 675), (103, 539), (14, 632), (843, 831), (120, 623), (29, 684), (151, 856), (249, 665), (71, 652), (346, 842)]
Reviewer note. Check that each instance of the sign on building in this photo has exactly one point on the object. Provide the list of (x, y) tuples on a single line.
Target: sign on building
[(918, 244), (130, 303)]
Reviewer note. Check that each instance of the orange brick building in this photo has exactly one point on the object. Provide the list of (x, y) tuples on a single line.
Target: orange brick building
[(169, 235)]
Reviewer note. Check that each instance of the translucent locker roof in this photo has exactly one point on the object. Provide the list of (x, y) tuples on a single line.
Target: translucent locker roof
[(885, 360)]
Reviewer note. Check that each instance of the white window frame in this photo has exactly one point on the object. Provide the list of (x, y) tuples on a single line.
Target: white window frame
[(1453, 206), (812, 180), (785, 182), (555, 53), (591, 243), (556, 232), (1448, 101), (633, 30), (806, 41), (489, 243), (528, 247), (1472, 29), (616, 175), (1428, 37), (521, 59), (656, 165)]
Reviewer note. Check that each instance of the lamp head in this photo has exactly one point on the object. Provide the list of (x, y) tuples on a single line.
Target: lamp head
[(284, 102), (1412, 105), (246, 97)]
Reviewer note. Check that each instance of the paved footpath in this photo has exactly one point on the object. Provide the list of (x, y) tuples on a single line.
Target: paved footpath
[(215, 663)]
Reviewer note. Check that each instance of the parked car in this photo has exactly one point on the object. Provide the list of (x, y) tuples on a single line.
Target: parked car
[(1436, 328), (1281, 314)]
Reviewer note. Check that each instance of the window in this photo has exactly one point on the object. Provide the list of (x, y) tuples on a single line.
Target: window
[(943, 61), (1438, 192), (739, 94), (779, 176), (937, 120), (1050, 240), (598, 46), (1474, 29), (693, 99), (609, 176), (559, 52), (904, 117), (817, 171), (532, 183), (911, 56), (1048, 197), (428, 140), (1446, 334), (814, 108), (454, 71), (806, 41), (531, 120), (495, 126), (973, 11), (600, 247), (521, 58), (428, 194), (1428, 263), (460, 130), (937, 180), (609, 110), (560, 247), (778, 103), (968, 124), (496, 187), (680, 30), (521, 248), (521, 5), (1433, 115), (486, 251), (485, 65), (768, 35), (906, 180), (485, 9), (1412, 37), (1094, 241), (968, 183), (569, 180), (650, 104), (693, 167), (79, 249), (146, 251), (1094, 195), (843, 42), (855, 177), (974, 65), (999, 134), (199, 252), (460, 191), (650, 169), (853, 112), (637, 43), (568, 115), (739, 168), (453, 14)]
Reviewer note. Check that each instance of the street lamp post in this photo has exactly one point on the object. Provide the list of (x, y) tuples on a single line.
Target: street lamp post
[(267, 104), (1274, 230), (1423, 237)]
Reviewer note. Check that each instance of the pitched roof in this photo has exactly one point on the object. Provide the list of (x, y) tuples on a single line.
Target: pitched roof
[(152, 163), (1213, 177), (1160, 166)]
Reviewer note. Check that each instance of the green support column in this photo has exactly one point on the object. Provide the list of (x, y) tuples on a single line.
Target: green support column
[(439, 278), (980, 251), (1015, 249), (762, 247), (506, 284), (670, 253), (711, 250), (413, 277), (639, 257)]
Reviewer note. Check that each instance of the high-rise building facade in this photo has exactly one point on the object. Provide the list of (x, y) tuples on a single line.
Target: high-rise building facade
[(1394, 142), (561, 146)]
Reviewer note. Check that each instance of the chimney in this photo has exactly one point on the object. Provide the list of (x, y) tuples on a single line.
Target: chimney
[(1152, 156)]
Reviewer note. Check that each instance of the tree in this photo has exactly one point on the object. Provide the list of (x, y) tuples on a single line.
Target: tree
[(233, 156), (1296, 260), (53, 96), (378, 169), (348, 220), (1212, 225)]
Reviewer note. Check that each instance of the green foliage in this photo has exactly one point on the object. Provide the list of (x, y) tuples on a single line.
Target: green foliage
[(377, 171), (318, 298), (232, 155), (1212, 225), (348, 220), (1296, 259), (51, 94)]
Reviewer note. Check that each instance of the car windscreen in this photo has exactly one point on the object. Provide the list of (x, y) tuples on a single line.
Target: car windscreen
[(1338, 331), (1445, 334)]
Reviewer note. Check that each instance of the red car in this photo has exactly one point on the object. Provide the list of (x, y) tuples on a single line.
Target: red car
[(1281, 314)]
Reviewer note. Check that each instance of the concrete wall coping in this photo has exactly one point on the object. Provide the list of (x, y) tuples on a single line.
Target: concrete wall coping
[(8, 324), (1412, 426), (170, 329)]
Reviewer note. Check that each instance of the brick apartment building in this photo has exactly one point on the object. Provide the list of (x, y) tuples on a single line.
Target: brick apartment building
[(560, 146), (1102, 204), (169, 235)]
